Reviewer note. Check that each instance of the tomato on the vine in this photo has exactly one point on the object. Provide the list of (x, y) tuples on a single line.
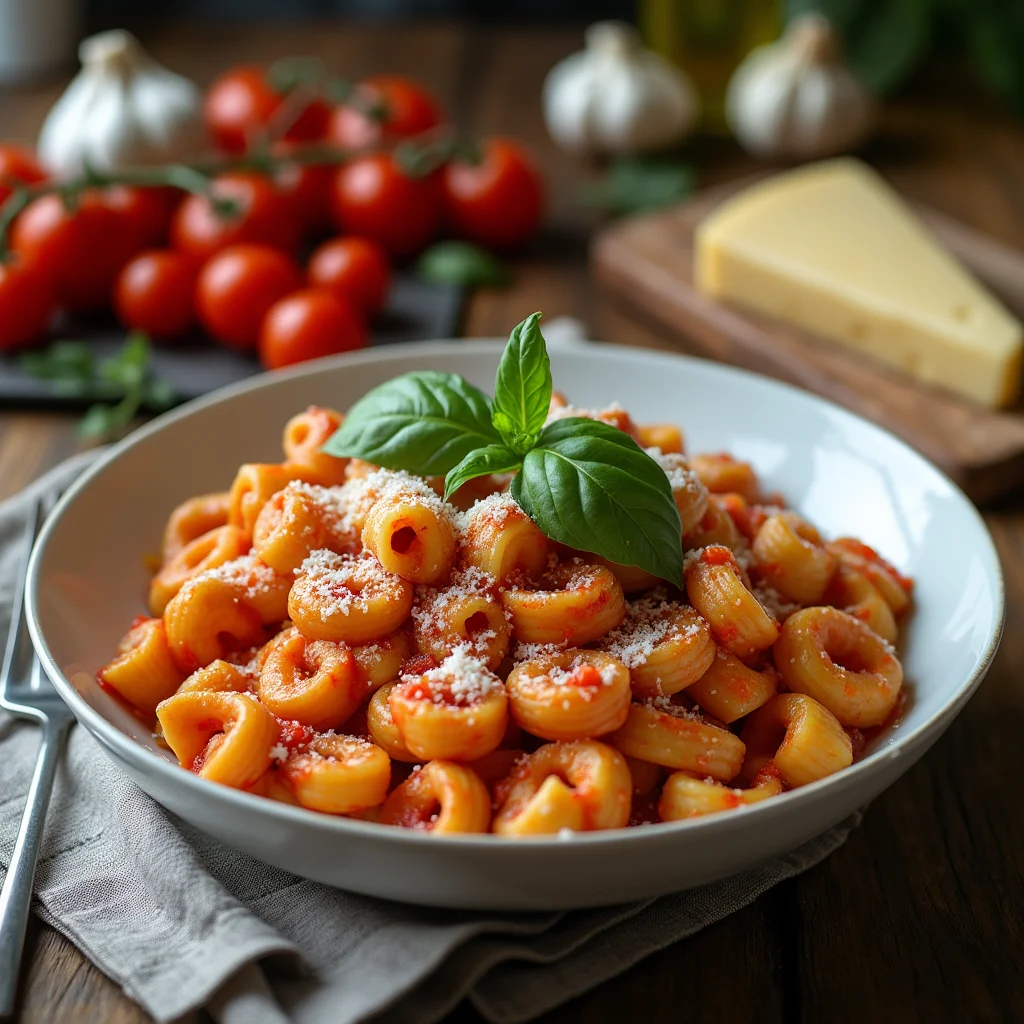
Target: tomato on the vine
[(307, 325), (81, 249), (406, 109), (237, 287), (241, 102), (264, 216), (497, 202), (373, 197), (18, 166), (148, 211), (155, 292), (308, 189), (26, 303), (354, 268)]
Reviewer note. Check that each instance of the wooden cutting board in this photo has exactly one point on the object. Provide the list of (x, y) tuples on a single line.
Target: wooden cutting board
[(647, 261)]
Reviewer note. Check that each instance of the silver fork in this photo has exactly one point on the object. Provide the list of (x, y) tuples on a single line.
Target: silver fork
[(26, 692)]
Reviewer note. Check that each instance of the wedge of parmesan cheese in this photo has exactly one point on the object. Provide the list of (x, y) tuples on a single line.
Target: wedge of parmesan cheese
[(832, 248)]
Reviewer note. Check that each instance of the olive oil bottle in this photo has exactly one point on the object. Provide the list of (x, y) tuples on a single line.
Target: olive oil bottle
[(708, 39)]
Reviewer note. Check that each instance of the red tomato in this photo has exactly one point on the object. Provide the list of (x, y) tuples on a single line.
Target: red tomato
[(82, 251), (355, 268), (374, 198), (26, 303), (147, 210), (307, 325), (308, 188), (265, 217), (18, 166), (498, 202), (408, 110), (155, 292), (241, 102), (237, 287)]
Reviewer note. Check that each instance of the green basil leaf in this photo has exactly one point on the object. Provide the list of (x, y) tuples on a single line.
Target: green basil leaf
[(635, 184), (591, 486), (495, 458), (522, 387), (463, 264), (423, 422)]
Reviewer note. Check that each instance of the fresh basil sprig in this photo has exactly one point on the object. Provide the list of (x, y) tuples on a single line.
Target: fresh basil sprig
[(583, 482)]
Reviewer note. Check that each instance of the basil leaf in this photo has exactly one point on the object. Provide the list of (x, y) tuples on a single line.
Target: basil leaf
[(495, 458), (461, 263), (522, 387), (424, 422), (635, 184), (591, 486)]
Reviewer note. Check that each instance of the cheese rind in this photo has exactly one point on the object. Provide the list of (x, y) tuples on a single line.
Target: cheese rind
[(832, 248)]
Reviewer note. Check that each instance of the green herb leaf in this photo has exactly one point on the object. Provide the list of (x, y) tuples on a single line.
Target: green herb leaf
[(62, 360), (461, 264), (634, 184), (97, 423), (495, 458), (288, 73), (591, 486), (425, 422), (522, 387)]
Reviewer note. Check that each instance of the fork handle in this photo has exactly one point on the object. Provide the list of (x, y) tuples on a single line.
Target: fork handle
[(16, 895)]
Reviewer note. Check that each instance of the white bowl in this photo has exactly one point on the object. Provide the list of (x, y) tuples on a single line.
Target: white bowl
[(87, 580)]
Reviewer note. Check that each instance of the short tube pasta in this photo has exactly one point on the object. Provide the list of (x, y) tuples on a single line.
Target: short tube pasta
[(670, 736), (193, 518), (500, 539), (144, 671), (729, 689), (338, 774), (580, 786), (441, 797), (382, 726), (224, 737), (840, 662), (573, 604), (856, 595), (571, 695), (717, 590), (411, 536), (790, 555), (799, 736), (684, 796), (208, 551), (304, 437)]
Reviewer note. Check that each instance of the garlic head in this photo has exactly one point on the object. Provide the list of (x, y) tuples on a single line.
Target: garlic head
[(617, 97), (121, 109), (796, 99)]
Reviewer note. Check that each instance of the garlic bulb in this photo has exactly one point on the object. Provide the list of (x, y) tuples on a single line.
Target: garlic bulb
[(795, 99), (121, 109), (617, 97)]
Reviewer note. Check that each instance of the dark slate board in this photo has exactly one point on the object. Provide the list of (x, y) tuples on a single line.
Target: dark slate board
[(193, 366)]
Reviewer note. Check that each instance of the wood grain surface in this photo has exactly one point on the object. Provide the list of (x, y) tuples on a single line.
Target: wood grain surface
[(919, 917), (648, 261)]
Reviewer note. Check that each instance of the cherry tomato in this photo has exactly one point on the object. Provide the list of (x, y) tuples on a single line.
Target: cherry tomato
[(241, 102), (155, 292), (26, 303), (237, 287), (355, 268), (265, 217), (82, 250), (18, 166), (307, 325), (498, 202), (147, 210), (408, 109), (308, 189), (374, 198)]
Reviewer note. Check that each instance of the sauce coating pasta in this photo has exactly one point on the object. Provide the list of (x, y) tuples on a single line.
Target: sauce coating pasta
[(334, 635)]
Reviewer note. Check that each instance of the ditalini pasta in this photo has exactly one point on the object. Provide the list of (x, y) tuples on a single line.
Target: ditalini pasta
[(334, 635)]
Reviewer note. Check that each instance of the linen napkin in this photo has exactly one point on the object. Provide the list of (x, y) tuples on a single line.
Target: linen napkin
[(180, 921)]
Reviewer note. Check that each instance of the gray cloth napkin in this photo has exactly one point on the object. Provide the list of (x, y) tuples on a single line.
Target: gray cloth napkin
[(180, 921)]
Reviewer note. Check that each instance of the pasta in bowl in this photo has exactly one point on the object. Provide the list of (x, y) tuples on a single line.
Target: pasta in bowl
[(364, 678)]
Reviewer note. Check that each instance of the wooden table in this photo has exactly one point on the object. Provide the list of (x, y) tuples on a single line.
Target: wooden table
[(920, 916)]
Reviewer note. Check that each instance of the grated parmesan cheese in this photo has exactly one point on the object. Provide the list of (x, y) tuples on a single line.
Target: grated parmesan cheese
[(460, 679), (334, 581)]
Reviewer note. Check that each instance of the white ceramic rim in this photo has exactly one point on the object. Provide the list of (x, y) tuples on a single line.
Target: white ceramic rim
[(147, 761)]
